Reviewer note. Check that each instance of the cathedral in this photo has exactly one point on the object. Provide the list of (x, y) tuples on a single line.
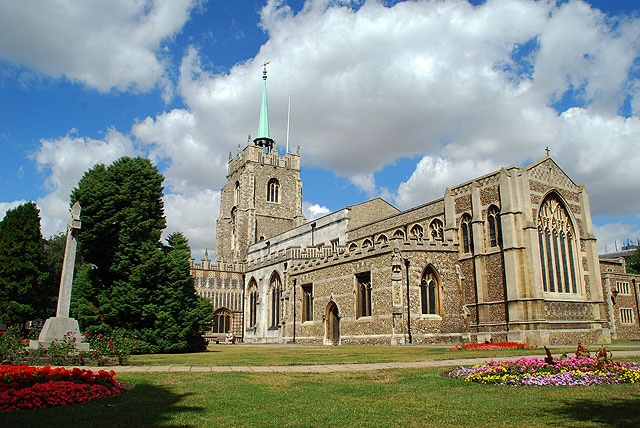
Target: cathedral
[(509, 256)]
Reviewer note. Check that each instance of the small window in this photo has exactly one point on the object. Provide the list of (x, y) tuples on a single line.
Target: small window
[(623, 287), (363, 282), (466, 234), (493, 222), (222, 321), (417, 232), (276, 295), (307, 302), (437, 230), (626, 316), (273, 190)]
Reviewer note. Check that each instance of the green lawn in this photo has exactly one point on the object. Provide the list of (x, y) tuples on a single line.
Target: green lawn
[(279, 355), (387, 398)]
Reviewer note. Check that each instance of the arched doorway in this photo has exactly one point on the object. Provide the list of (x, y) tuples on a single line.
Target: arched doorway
[(332, 332)]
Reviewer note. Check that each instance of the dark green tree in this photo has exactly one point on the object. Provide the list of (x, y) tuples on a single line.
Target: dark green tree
[(633, 266), (25, 288), (128, 279)]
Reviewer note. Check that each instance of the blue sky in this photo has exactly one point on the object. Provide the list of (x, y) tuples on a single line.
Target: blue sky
[(397, 99)]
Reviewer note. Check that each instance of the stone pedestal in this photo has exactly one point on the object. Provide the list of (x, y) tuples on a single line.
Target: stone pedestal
[(57, 328)]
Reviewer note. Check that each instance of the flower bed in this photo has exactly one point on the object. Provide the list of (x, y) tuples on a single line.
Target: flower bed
[(567, 371), (491, 346), (25, 387)]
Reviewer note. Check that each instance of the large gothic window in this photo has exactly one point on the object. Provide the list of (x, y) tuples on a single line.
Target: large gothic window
[(363, 284), (273, 190), (429, 291), (222, 321), (466, 234), (436, 228), (253, 303), (493, 223), (557, 239), (275, 288)]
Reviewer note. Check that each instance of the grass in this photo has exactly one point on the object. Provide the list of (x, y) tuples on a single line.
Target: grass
[(386, 398)]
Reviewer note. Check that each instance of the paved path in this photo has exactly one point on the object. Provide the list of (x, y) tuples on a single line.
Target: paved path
[(323, 368)]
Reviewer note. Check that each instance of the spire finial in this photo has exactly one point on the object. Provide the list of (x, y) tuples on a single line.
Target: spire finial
[(264, 139), (546, 149)]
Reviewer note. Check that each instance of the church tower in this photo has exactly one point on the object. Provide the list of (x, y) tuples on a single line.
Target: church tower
[(263, 194)]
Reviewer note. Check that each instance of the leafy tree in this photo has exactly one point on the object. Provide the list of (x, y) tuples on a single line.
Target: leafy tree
[(25, 290), (129, 279), (633, 266)]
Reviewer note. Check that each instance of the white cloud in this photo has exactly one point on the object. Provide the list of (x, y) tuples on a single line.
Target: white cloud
[(612, 236), (313, 211), (194, 214), (104, 44), (466, 89), (65, 160)]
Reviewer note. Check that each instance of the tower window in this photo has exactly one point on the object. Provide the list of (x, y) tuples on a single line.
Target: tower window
[(273, 190)]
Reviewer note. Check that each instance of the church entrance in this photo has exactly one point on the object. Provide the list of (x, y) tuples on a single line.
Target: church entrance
[(332, 332)]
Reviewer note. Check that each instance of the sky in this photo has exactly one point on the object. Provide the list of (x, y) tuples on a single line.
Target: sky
[(391, 99)]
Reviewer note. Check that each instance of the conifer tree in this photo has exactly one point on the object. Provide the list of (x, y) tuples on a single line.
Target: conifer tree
[(25, 290), (129, 279)]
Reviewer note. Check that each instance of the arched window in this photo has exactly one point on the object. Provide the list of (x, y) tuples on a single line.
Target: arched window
[(417, 232), (275, 287), (493, 223), (222, 321), (436, 228), (398, 234), (236, 194), (429, 291), (253, 303), (273, 190), (353, 246), (466, 234), (557, 240), (367, 243), (234, 218), (382, 239), (363, 284)]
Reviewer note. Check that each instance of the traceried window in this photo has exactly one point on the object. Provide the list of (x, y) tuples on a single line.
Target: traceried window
[(222, 321), (493, 223), (429, 291), (436, 228), (367, 243), (253, 303), (275, 287), (307, 302), (466, 234), (558, 253), (273, 190), (398, 234), (236, 194), (417, 232), (363, 284), (382, 239)]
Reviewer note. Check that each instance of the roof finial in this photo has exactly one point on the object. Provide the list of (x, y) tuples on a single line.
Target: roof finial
[(546, 149)]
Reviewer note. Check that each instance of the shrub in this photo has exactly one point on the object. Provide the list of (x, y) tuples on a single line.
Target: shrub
[(12, 346)]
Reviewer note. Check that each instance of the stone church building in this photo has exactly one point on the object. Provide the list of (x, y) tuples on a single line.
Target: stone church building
[(508, 256)]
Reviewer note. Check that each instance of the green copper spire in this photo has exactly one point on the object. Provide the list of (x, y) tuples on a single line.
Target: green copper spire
[(264, 138)]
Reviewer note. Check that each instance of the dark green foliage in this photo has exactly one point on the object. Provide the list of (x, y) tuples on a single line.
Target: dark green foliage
[(633, 266), (25, 289), (129, 279)]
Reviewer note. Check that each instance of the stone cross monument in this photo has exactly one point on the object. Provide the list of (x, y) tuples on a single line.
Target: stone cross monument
[(56, 328)]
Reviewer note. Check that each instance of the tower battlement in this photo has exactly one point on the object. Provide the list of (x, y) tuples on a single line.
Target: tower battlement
[(258, 155)]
